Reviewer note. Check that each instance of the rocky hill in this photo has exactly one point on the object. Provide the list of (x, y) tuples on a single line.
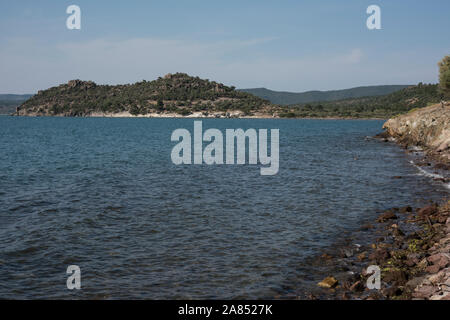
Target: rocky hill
[(174, 94), (426, 127)]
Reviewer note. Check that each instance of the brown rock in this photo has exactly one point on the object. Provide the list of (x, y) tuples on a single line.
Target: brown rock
[(388, 215), (432, 269), (441, 296), (357, 286), (326, 256), (414, 282), (428, 210), (422, 264), (424, 292), (405, 209), (328, 282), (397, 276), (434, 258), (379, 255), (392, 291), (366, 227), (437, 278), (362, 256), (444, 262)]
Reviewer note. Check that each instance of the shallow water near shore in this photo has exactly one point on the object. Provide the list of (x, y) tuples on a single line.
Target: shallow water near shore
[(103, 194)]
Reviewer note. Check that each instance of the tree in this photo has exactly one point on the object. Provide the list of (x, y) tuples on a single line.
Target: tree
[(444, 76)]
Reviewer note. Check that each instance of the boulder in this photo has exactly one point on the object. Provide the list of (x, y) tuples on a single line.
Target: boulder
[(328, 282), (388, 215), (428, 210)]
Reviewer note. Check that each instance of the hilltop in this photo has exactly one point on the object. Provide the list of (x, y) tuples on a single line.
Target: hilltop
[(287, 98), (173, 94)]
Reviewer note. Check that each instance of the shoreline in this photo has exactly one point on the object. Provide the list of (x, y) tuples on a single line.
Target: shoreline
[(412, 245), (177, 116)]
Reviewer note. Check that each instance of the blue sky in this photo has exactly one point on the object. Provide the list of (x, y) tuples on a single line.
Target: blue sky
[(281, 45)]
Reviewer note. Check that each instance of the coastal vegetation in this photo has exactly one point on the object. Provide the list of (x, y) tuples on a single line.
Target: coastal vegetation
[(444, 76), (182, 95), (386, 106)]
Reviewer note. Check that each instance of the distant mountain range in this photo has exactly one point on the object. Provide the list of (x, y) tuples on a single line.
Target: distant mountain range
[(287, 98), (9, 102), (14, 97)]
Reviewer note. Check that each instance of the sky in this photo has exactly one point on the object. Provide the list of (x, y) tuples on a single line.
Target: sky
[(281, 45)]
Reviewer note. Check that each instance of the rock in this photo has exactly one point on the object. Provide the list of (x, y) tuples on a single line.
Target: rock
[(405, 209), (412, 259), (392, 291), (367, 227), (424, 292), (432, 269), (434, 258), (362, 256), (398, 233), (379, 255), (447, 281), (422, 264), (411, 262), (388, 215), (397, 276), (428, 210), (441, 296), (357, 286), (414, 282), (328, 282), (347, 253), (444, 262), (442, 166), (345, 296), (441, 260), (426, 127), (437, 278), (326, 256)]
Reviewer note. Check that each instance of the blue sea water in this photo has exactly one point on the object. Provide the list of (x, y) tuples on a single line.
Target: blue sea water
[(103, 194)]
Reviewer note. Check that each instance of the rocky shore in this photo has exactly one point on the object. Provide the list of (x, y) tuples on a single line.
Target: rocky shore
[(427, 128), (411, 246)]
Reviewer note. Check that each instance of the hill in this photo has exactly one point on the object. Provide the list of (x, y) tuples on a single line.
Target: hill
[(386, 106), (287, 98), (173, 94)]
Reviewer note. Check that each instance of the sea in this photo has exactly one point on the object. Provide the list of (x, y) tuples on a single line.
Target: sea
[(103, 194)]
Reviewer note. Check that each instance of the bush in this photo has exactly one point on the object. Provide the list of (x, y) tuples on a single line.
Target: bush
[(444, 76)]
